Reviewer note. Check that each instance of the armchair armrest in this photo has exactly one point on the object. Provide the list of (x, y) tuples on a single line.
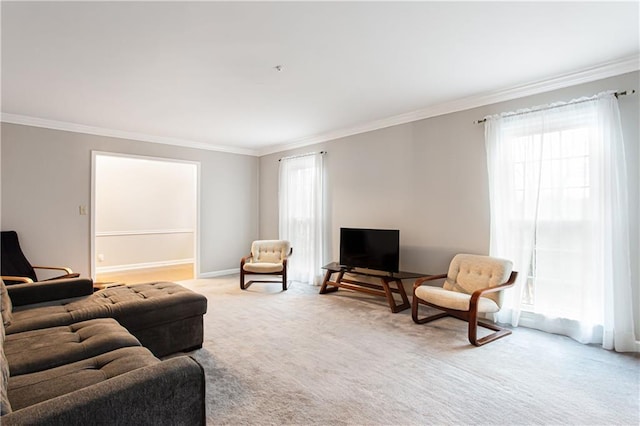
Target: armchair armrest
[(245, 259), (422, 280), (57, 268), (473, 302), (170, 392), (44, 291), (16, 278)]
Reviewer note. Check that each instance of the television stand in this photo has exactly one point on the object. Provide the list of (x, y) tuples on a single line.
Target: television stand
[(384, 289)]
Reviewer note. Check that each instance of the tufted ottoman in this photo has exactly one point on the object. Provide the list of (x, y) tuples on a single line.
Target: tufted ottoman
[(165, 317)]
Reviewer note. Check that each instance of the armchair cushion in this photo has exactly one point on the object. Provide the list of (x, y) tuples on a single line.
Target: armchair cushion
[(468, 273), (269, 251), (454, 300), (263, 267)]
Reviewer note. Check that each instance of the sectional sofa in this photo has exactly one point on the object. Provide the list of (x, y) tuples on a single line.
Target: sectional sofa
[(72, 356)]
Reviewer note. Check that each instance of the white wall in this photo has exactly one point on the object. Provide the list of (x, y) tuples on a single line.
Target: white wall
[(145, 211), (429, 179), (46, 176)]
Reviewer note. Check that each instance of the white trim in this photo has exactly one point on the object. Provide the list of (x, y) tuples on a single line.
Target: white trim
[(144, 232), (121, 134), (145, 265), (606, 70), (220, 273)]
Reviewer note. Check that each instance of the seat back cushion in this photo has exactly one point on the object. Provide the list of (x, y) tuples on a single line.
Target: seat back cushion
[(470, 272), (270, 251)]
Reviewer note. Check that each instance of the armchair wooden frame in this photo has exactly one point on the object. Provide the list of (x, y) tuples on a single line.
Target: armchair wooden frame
[(245, 285), (470, 316), (68, 274)]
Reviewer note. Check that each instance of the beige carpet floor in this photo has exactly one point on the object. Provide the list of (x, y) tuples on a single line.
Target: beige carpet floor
[(297, 357)]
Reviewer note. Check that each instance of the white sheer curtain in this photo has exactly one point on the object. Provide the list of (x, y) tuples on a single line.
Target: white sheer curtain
[(558, 195), (302, 216)]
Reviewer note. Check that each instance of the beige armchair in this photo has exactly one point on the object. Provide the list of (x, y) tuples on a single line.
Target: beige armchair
[(473, 285), (268, 257)]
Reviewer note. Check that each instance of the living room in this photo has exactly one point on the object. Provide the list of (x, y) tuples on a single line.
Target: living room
[(422, 170)]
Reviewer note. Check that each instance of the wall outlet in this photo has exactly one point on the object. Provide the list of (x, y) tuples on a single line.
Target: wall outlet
[(101, 257)]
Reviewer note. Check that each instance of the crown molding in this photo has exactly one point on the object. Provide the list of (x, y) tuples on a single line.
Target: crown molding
[(113, 133), (587, 75), (605, 70)]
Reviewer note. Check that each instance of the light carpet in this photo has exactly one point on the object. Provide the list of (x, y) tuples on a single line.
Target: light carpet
[(298, 357)]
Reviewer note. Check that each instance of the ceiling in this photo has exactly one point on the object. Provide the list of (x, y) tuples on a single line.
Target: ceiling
[(204, 74)]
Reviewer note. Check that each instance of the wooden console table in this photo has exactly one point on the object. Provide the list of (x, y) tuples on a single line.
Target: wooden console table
[(383, 289)]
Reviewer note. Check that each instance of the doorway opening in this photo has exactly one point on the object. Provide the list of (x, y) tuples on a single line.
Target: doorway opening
[(144, 219)]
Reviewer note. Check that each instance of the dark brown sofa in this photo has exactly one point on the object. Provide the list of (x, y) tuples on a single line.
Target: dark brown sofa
[(165, 317), (76, 360)]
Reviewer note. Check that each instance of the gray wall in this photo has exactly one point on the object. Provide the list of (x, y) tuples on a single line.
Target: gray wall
[(46, 176), (429, 179)]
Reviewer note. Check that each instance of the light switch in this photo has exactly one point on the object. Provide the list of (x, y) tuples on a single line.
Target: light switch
[(83, 210)]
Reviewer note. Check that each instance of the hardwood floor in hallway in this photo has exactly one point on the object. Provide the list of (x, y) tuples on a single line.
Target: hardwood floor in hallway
[(138, 276)]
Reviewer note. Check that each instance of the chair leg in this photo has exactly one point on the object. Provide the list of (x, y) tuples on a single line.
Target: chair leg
[(284, 279), (471, 317), (241, 278), (414, 313), (473, 331)]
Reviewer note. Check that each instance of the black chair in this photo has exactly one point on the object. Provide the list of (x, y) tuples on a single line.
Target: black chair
[(16, 269)]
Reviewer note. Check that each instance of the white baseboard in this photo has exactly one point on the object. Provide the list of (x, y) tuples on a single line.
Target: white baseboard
[(146, 265), (221, 273)]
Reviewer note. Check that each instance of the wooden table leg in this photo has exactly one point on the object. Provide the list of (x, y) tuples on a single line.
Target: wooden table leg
[(389, 293), (327, 279)]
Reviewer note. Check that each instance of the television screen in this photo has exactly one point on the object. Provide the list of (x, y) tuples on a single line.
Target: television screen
[(370, 248)]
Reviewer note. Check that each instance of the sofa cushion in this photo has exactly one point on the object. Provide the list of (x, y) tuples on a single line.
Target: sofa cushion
[(134, 307), (29, 389), (5, 304), (5, 405), (37, 350)]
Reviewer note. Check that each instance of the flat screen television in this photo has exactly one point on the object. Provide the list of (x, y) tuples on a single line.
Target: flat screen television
[(377, 249)]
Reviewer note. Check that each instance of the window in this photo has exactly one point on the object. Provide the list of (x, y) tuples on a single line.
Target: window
[(302, 214), (557, 184), (560, 160)]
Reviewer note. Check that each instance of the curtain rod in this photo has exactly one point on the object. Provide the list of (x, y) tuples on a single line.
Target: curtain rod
[(616, 94), (302, 155)]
